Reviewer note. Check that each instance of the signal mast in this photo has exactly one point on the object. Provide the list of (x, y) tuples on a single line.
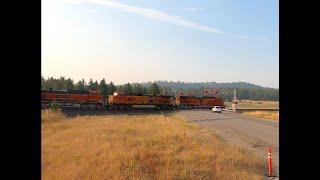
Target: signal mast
[(215, 92), (211, 92), (234, 101)]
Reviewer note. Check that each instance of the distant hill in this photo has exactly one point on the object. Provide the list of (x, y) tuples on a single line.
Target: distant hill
[(206, 84), (244, 90)]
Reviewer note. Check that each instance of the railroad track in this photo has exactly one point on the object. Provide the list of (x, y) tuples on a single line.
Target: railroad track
[(82, 112)]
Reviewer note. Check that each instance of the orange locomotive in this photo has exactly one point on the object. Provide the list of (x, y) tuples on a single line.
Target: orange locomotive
[(191, 102), (72, 99), (210, 99), (209, 102), (187, 102), (122, 101)]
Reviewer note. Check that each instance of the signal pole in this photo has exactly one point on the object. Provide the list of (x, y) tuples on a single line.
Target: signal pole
[(234, 101)]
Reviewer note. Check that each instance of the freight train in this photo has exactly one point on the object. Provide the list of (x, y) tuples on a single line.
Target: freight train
[(94, 100)]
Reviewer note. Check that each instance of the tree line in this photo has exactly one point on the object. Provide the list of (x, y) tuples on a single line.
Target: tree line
[(244, 90), (103, 87)]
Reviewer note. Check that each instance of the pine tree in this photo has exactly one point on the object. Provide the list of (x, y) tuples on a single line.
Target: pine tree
[(60, 83), (84, 84), (127, 88), (69, 84), (103, 87), (111, 88), (154, 89), (137, 89), (50, 83), (81, 85), (145, 90), (90, 85), (43, 83), (95, 86)]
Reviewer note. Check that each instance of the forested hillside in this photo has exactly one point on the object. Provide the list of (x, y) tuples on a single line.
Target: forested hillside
[(244, 90)]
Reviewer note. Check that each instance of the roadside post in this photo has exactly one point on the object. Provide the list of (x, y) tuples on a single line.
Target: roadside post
[(269, 162)]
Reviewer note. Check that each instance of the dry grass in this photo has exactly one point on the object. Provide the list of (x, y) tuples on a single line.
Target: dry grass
[(272, 115), (50, 116), (248, 104), (140, 147)]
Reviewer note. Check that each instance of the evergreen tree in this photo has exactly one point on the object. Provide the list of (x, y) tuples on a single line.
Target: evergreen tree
[(54, 82), (145, 90), (83, 82), (127, 88), (90, 85), (81, 85), (120, 88), (154, 89), (103, 87), (50, 83), (137, 89), (95, 86), (43, 83), (68, 84), (111, 88), (60, 83)]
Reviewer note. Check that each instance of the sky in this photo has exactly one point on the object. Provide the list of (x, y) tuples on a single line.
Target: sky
[(147, 40)]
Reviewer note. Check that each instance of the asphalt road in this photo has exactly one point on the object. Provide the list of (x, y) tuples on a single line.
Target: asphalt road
[(250, 133)]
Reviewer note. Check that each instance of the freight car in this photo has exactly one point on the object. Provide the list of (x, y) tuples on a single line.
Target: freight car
[(72, 99), (122, 101)]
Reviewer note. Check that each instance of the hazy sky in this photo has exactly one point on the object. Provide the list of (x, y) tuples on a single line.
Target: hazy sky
[(146, 40)]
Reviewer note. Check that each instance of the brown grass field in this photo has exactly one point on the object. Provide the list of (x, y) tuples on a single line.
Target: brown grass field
[(272, 115), (248, 104), (138, 147)]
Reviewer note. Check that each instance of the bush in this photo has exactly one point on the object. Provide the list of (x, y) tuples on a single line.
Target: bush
[(54, 106)]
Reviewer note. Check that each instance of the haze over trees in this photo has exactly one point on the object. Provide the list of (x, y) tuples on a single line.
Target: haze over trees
[(244, 90)]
